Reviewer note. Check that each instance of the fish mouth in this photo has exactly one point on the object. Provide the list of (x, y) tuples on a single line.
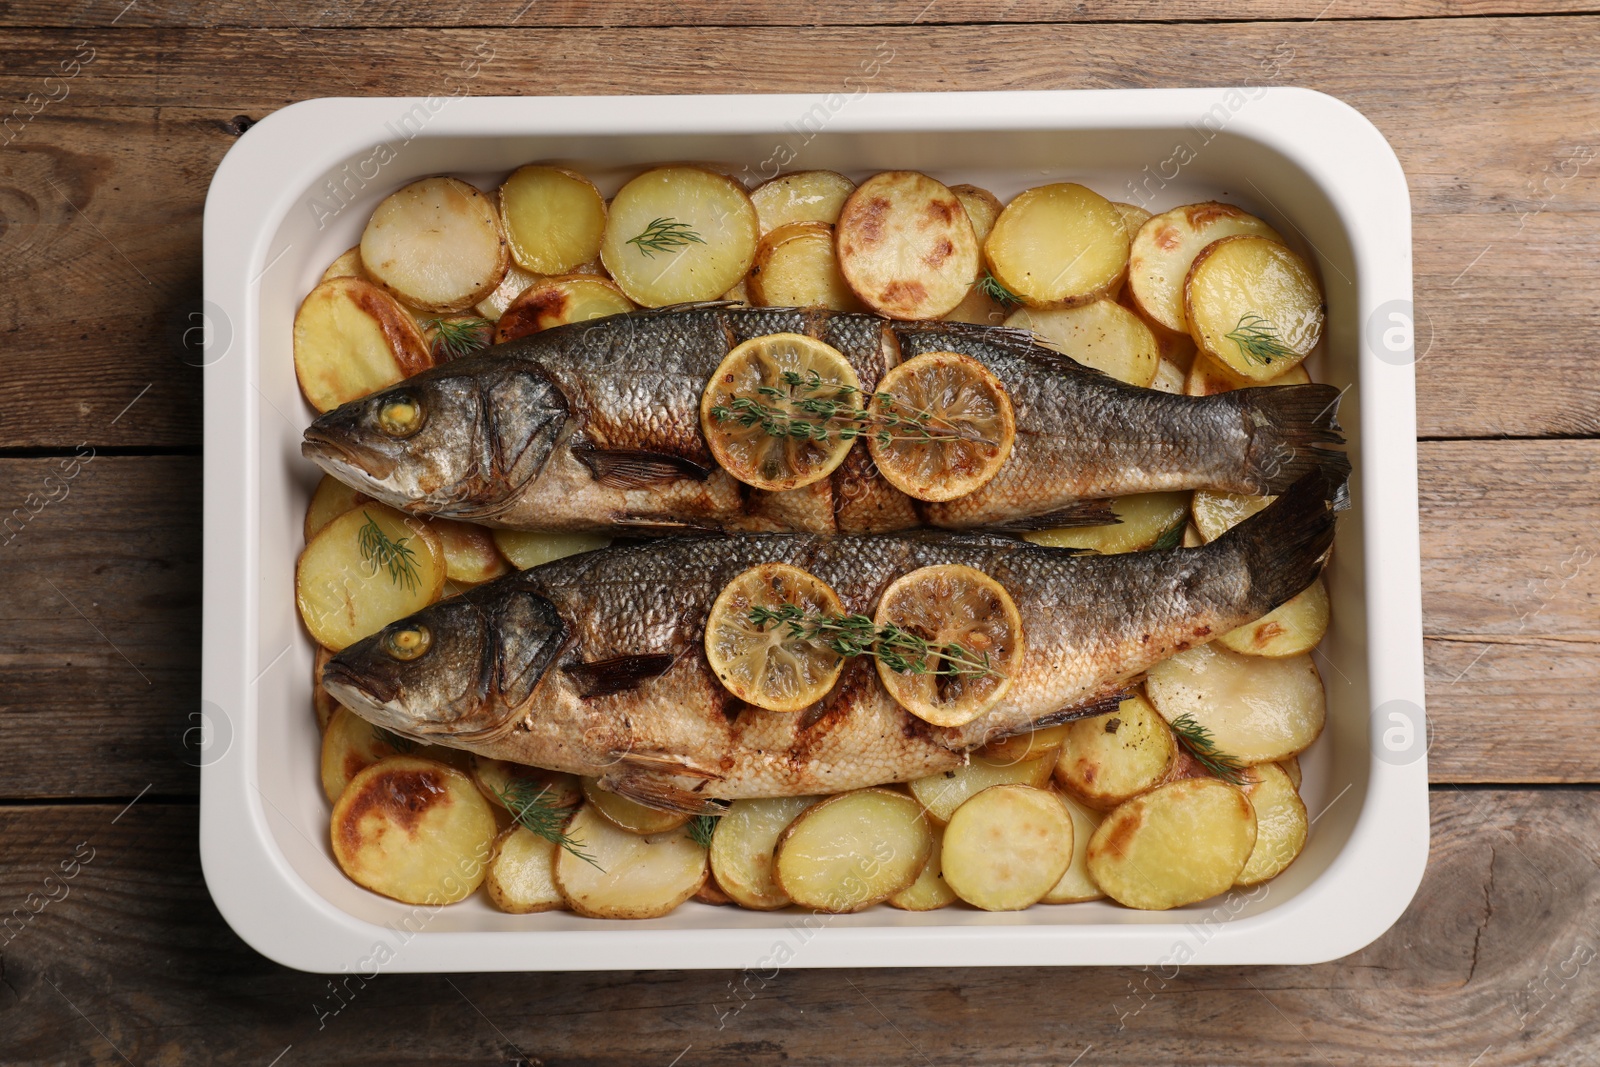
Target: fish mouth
[(338, 454)]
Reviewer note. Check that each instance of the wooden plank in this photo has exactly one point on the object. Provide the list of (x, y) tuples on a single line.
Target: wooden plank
[(1509, 580), (1489, 966)]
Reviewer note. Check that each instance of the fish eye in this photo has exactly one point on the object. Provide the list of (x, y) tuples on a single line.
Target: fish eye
[(400, 416), (409, 643)]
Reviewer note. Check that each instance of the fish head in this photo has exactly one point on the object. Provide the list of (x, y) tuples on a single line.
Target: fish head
[(459, 440), (462, 668)]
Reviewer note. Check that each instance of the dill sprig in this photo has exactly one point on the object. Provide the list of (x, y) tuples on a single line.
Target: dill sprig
[(454, 338), (857, 635), (991, 287), (1203, 747), (1171, 537), (663, 235), (402, 745), (1258, 339), (397, 557), (835, 408), (701, 827), (532, 806)]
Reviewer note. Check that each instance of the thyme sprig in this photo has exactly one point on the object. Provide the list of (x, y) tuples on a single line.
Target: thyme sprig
[(1258, 339), (991, 287), (701, 827), (664, 235), (397, 557), (836, 408), (532, 806), (454, 338), (1203, 747), (857, 635)]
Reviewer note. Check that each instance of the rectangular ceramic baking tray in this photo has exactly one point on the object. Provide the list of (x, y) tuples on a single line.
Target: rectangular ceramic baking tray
[(297, 189)]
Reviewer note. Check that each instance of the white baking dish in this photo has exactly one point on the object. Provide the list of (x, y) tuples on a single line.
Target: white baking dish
[(296, 191)]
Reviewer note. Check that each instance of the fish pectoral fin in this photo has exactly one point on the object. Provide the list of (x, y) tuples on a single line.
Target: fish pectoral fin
[(1098, 706), (654, 792), (634, 468), (602, 677), (664, 763), (1078, 513)]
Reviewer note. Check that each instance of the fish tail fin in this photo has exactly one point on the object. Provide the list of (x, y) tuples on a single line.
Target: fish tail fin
[(1290, 428), (1285, 544)]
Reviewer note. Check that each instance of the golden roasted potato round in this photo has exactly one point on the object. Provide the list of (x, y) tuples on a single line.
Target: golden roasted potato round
[(743, 846), (796, 266), (679, 233), (365, 569), (436, 244), (1177, 844), (1058, 246), (983, 207), (501, 780), (630, 815), (331, 499), (1076, 885), (1101, 334), (1287, 630), (554, 218), (1256, 709), (1147, 519), (322, 703), (941, 794), (470, 556), (853, 850), (350, 745), (1133, 217), (930, 891), (1206, 377), (626, 875), (1216, 512), (1007, 847), (351, 339), (522, 876), (530, 548), (1253, 305), (514, 284), (347, 265), (803, 196), (906, 246), (1031, 744), (1281, 824), (552, 302), (1109, 758), (1164, 248)]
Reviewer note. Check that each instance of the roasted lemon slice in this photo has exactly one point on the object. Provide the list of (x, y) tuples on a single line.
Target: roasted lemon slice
[(777, 411), (959, 643), (764, 663), (942, 426)]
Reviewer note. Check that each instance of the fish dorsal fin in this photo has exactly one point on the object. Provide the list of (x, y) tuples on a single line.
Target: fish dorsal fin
[(529, 633), (636, 468), (602, 677)]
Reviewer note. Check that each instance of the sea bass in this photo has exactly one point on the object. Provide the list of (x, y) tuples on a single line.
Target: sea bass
[(595, 426), (595, 664)]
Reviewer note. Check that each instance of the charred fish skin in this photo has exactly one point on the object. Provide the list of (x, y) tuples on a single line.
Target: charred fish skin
[(595, 664), (595, 427)]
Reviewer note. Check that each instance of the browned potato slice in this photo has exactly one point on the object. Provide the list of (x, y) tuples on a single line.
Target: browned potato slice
[(522, 876), (1109, 758), (331, 499), (1206, 378), (632, 876), (529, 548), (628, 814), (739, 294), (679, 233), (436, 244), (743, 846), (930, 891), (1133, 217), (1076, 885), (322, 704), (1102, 334), (1147, 519), (804, 196), (499, 779), (1170, 378), (1058, 246), (906, 246), (470, 556), (415, 830), (796, 266), (348, 265), (554, 218), (983, 207), (557, 301), (711, 893), (513, 285), (1215, 512), (1007, 847), (1177, 844), (365, 569), (980, 308), (1253, 305), (1291, 767), (1281, 824), (1257, 709), (350, 745), (853, 850), (1026, 746), (1165, 247), (1287, 630), (350, 339), (941, 794)]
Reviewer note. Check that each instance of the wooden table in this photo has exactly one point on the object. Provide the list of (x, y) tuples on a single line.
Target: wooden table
[(1494, 109)]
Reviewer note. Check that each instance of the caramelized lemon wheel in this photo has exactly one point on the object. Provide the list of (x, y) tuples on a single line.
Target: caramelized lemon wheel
[(767, 439), (944, 426), (974, 631), (764, 663)]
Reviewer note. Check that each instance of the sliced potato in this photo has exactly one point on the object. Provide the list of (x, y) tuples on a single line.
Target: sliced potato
[(554, 218), (1058, 246), (499, 778), (529, 548), (350, 339), (983, 207), (414, 830), (630, 815), (632, 876), (743, 845), (853, 850), (511, 286), (1287, 630), (1145, 519), (1133, 217), (711, 893), (1206, 378), (1177, 844), (1170, 378), (1007, 847), (1076, 885), (322, 703), (1253, 305), (553, 302), (1165, 247), (739, 294), (348, 265), (1030, 745), (941, 794), (1216, 512), (804, 196), (1101, 334), (436, 244), (1281, 824), (1257, 709), (980, 308), (906, 246), (1291, 767), (470, 556), (1109, 758), (679, 233), (365, 569), (930, 891), (796, 266), (331, 499), (350, 745), (522, 876)]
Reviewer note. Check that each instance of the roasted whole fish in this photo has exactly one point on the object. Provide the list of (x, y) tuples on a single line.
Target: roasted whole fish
[(595, 426), (595, 664)]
